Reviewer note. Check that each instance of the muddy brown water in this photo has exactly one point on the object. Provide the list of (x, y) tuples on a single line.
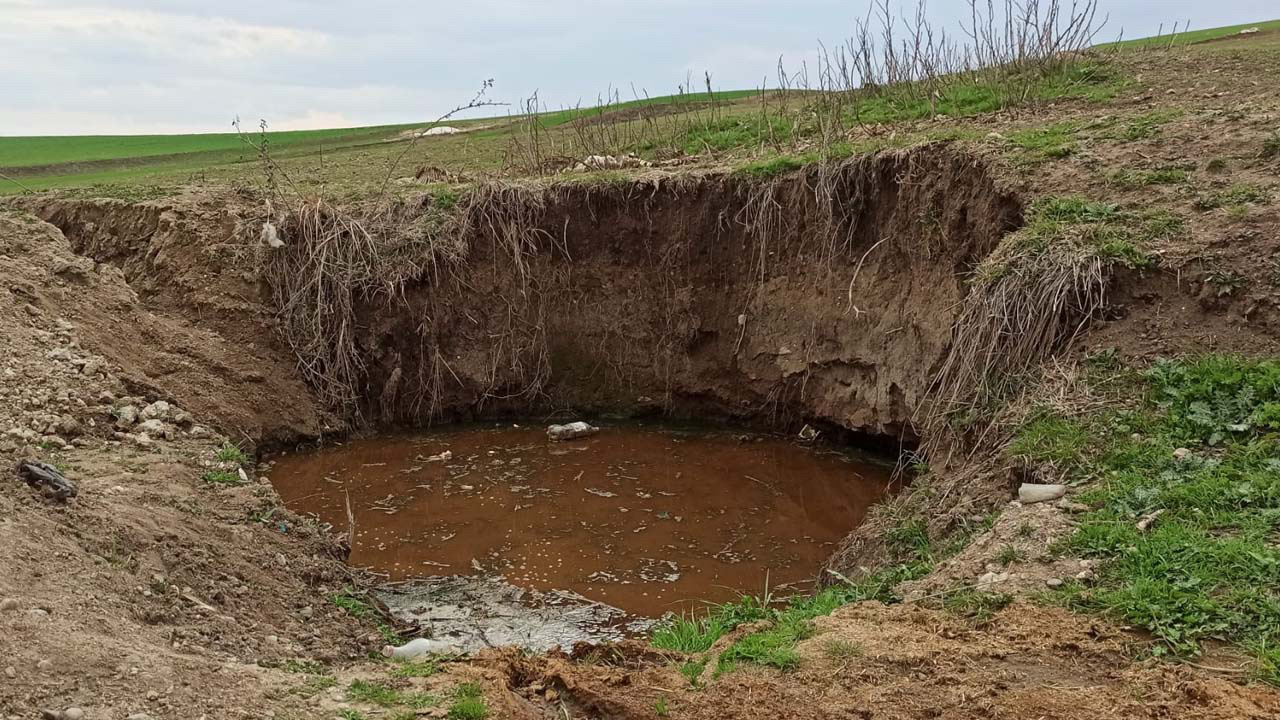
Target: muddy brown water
[(647, 519)]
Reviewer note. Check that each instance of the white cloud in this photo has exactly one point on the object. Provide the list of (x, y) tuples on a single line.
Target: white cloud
[(168, 33)]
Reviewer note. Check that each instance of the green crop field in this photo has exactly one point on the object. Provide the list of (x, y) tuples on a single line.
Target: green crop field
[(342, 160)]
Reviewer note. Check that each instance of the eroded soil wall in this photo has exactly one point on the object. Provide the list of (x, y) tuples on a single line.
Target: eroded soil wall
[(826, 295), (828, 298)]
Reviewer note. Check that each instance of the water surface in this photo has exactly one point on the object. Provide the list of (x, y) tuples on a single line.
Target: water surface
[(646, 519)]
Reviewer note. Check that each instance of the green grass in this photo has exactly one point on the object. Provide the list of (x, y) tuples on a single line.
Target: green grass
[(468, 703), (1237, 195), (1208, 567), (222, 477), (315, 685), (1045, 143), (229, 453), (383, 695), (976, 605), (354, 604), (1190, 37), (1073, 226), (419, 667), (1130, 179)]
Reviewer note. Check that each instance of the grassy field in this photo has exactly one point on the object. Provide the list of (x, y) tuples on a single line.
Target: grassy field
[(49, 162), (345, 162), (1192, 36)]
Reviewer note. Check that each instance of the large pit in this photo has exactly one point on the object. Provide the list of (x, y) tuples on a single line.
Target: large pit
[(646, 518)]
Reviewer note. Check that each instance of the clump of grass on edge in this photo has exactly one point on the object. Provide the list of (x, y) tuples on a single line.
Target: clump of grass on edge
[(354, 604), (222, 477), (1198, 455), (230, 453), (976, 605), (468, 703)]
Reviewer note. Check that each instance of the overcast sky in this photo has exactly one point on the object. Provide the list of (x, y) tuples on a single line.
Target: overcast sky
[(146, 66)]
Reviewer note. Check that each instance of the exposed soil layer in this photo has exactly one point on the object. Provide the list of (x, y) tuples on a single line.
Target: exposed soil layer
[(649, 520), (704, 296)]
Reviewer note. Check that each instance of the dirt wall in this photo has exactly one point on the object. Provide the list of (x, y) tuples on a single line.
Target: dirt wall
[(823, 296)]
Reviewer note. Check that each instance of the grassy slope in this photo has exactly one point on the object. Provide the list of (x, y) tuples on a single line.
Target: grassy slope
[(1192, 36), (49, 162)]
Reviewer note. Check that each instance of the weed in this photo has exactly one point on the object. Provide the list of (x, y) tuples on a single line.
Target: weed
[(355, 605), (307, 667), (1009, 555), (229, 453), (1142, 178), (1053, 141), (1145, 127), (421, 667), (383, 695), (1271, 146), (1026, 530), (1236, 195), (350, 714), (773, 166), (223, 477), (692, 634), (775, 647), (374, 693), (1208, 569), (976, 605), (1216, 165), (842, 650), (692, 671), (1227, 282), (468, 703), (315, 685), (661, 707)]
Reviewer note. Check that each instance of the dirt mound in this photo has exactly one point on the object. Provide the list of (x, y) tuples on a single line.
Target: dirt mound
[(873, 661)]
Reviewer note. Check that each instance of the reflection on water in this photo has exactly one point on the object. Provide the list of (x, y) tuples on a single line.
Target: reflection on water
[(646, 519)]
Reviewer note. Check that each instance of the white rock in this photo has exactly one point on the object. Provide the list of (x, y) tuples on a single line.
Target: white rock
[(1053, 582), (572, 431), (126, 416), (73, 713), (156, 428), (1181, 454), (1031, 493), (9, 604), (158, 410)]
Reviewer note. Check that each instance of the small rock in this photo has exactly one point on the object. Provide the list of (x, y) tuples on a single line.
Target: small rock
[(126, 416), (1054, 582), (139, 716), (44, 665), (158, 410), (73, 713), (572, 431), (9, 604), (11, 671), (306, 612), (1085, 575), (50, 715), (1072, 507), (152, 695), (156, 428), (1181, 454), (1030, 493)]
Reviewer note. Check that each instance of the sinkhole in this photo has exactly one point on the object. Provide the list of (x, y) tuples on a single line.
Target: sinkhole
[(639, 518)]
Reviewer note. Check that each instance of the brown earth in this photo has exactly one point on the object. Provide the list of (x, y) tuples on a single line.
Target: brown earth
[(155, 591)]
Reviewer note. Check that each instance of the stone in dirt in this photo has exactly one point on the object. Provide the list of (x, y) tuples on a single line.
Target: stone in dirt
[(48, 480), (572, 431), (1030, 493)]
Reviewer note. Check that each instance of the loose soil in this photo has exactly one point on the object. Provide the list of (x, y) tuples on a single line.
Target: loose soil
[(645, 519)]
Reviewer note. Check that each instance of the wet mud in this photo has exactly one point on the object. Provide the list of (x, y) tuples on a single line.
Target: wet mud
[(646, 519)]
